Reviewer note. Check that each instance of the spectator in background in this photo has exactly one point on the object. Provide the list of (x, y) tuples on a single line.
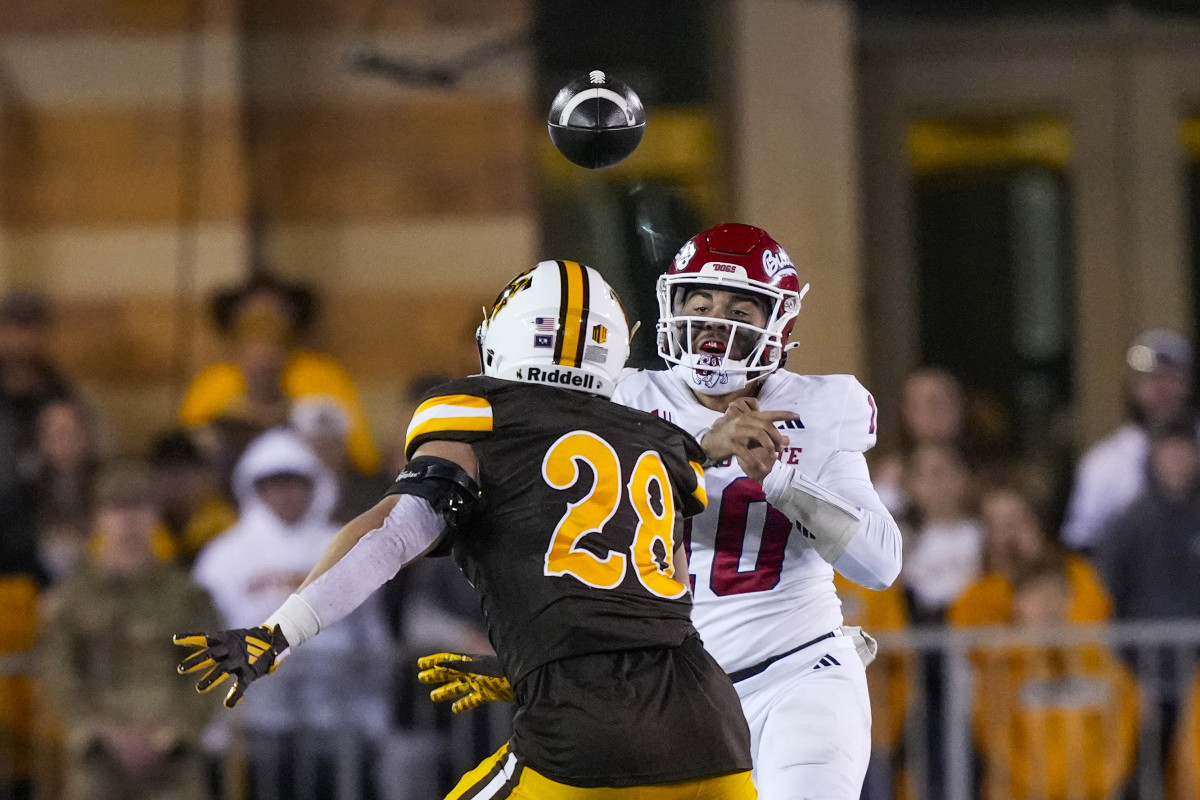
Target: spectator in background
[(932, 411), (943, 542), (194, 508), (263, 321), (1015, 536), (943, 552), (1158, 388), (130, 734), (935, 410), (29, 380), (1149, 557), (1055, 722), (285, 498), (324, 426), (63, 468)]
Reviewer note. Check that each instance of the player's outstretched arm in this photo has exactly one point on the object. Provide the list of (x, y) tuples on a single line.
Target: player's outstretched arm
[(431, 494), (250, 653), (374, 518), (350, 534)]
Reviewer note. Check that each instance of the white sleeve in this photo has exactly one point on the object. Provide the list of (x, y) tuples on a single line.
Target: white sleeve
[(410, 530), (867, 548), (872, 557)]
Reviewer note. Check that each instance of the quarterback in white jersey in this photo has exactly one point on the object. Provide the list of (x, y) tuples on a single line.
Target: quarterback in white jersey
[(789, 502)]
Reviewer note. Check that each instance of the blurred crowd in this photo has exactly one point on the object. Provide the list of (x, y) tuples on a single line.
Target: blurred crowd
[(102, 559), (993, 542), (104, 556)]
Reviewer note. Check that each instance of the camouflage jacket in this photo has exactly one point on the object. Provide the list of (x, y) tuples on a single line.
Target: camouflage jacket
[(106, 657)]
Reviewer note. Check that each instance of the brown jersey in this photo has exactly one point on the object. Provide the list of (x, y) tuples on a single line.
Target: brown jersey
[(572, 556)]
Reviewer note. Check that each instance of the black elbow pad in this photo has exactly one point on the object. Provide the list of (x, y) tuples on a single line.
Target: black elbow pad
[(449, 489)]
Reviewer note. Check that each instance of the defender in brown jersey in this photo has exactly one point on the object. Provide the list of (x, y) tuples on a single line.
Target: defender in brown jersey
[(561, 508)]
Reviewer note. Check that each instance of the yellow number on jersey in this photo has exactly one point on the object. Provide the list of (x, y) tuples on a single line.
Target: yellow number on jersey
[(560, 469), (655, 571)]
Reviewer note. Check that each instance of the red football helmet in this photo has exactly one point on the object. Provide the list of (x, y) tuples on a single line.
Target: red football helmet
[(738, 258)]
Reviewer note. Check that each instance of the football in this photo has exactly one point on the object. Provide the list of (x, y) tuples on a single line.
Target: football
[(596, 122)]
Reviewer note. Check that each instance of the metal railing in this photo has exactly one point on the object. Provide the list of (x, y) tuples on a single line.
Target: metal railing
[(939, 753)]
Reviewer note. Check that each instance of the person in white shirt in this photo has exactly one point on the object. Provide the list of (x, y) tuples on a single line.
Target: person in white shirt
[(943, 541), (1113, 472), (790, 500), (286, 497), (932, 411)]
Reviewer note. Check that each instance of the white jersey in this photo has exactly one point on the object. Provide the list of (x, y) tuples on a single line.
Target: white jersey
[(758, 590)]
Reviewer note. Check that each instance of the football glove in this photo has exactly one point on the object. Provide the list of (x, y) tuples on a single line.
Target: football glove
[(245, 653), (468, 680)]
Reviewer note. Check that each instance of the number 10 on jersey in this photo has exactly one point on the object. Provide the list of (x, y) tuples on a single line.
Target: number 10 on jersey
[(587, 516)]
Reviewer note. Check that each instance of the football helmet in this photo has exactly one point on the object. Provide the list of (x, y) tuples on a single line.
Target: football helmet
[(738, 258), (558, 324)]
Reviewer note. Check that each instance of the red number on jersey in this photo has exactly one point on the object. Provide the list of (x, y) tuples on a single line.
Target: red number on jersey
[(732, 522)]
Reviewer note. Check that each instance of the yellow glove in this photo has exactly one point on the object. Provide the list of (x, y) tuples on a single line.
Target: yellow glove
[(468, 686), (246, 654)]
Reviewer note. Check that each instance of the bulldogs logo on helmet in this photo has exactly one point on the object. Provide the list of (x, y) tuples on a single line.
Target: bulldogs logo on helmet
[(558, 324), (738, 258)]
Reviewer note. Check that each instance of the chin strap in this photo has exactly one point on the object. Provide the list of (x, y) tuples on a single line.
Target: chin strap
[(828, 521)]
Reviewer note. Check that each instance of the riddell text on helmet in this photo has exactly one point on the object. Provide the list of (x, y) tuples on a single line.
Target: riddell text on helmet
[(559, 376)]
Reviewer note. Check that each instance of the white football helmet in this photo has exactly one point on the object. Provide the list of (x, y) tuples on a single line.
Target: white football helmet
[(558, 324)]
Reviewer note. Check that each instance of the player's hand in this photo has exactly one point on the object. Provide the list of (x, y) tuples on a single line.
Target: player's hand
[(748, 434), (468, 680), (245, 653)]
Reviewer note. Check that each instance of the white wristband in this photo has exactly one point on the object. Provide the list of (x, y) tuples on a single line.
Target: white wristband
[(828, 521), (296, 620)]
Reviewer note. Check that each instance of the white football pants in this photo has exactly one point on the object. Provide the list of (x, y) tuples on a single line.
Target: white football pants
[(810, 723)]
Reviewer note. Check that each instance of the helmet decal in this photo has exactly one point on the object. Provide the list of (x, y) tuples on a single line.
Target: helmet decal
[(517, 284), (774, 264), (572, 314), (685, 255)]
